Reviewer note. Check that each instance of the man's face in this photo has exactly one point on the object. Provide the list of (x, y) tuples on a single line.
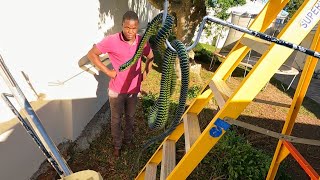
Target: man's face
[(130, 29)]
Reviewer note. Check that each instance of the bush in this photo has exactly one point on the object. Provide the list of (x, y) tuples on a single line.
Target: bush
[(235, 158), (240, 159), (193, 91), (203, 53)]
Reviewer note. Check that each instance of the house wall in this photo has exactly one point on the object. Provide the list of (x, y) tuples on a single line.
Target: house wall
[(46, 40)]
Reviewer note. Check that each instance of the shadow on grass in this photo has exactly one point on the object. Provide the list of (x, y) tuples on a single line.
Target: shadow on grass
[(308, 103), (268, 144), (99, 156)]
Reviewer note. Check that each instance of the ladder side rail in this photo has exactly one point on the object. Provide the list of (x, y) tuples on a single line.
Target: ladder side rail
[(298, 97), (248, 89), (33, 118), (302, 162), (31, 132), (260, 23)]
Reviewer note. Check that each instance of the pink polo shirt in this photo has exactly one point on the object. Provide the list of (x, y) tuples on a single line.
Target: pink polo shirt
[(120, 51)]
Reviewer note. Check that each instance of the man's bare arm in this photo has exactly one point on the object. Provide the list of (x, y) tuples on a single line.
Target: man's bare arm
[(93, 56)]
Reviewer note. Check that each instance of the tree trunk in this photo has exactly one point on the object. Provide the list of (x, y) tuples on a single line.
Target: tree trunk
[(188, 15)]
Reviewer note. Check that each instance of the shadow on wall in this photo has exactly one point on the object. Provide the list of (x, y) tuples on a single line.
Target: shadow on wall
[(102, 79), (61, 120), (111, 12)]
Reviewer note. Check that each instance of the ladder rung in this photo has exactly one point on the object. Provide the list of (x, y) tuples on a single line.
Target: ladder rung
[(191, 128), (168, 158), (200, 102), (221, 91), (151, 171), (255, 43)]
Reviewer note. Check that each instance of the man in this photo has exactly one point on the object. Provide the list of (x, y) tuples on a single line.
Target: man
[(123, 86)]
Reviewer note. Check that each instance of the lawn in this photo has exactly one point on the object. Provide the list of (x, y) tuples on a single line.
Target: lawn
[(240, 146)]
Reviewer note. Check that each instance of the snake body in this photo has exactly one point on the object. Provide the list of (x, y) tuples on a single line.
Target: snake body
[(184, 64), (162, 35), (158, 114)]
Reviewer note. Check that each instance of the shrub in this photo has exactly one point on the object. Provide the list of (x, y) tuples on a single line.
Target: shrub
[(203, 53), (235, 158), (193, 91)]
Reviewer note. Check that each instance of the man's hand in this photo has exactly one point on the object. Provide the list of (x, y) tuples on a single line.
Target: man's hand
[(112, 74), (93, 56)]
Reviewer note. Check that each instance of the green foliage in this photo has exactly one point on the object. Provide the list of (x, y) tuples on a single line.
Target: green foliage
[(241, 160), (207, 47), (293, 6), (203, 52), (220, 7), (235, 158), (203, 55), (193, 91), (148, 101)]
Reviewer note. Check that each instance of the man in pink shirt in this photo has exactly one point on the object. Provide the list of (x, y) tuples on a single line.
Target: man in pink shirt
[(123, 86)]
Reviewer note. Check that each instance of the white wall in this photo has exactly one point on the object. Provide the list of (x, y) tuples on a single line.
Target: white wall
[(46, 39)]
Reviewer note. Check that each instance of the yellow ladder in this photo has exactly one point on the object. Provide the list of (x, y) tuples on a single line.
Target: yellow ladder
[(231, 104), (283, 151)]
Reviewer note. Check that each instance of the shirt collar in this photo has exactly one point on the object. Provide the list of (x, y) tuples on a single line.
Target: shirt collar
[(122, 38)]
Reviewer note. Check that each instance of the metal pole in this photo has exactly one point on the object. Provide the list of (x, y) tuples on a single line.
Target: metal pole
[(31, 132), (165, 13), (33, 118), (241, 29), (256, 34)]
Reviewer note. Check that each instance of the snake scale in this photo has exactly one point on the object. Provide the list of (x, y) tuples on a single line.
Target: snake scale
[(158, 114)]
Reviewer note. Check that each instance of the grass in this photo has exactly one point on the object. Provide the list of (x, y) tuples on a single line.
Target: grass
[(222, 162), (207, 47)]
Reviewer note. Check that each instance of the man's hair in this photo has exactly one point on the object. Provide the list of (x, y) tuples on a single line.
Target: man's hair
[(130, 15)]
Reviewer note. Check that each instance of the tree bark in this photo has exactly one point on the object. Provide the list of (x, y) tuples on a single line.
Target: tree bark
[(188, 14)]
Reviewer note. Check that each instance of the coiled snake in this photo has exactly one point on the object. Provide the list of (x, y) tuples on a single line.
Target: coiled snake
[(158, 114)]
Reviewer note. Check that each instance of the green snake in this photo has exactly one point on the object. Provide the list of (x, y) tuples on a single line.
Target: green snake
[(152, 27), (169, 59), (158, 114)]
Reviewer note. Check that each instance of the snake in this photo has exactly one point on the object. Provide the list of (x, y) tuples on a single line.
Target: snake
[(184, 65), (161, 36), (159, 112)]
